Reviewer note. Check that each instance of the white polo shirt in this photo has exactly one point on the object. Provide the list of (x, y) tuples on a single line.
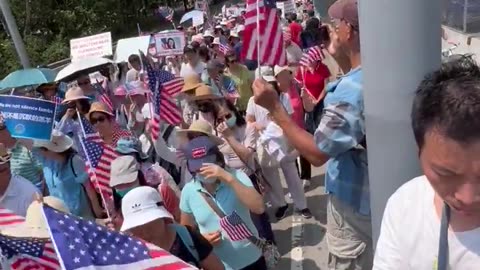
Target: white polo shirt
[(19, 195)]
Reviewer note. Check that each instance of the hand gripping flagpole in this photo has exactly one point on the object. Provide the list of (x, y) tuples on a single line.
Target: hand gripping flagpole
[(91, 168)]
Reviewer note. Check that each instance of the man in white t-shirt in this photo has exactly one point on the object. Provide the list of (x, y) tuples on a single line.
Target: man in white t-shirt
[(193, 65), (433, 221), (135, 66)]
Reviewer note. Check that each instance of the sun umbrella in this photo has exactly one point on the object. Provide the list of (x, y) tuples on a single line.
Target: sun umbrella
[(195, 15), (27, 77), (87, 65)]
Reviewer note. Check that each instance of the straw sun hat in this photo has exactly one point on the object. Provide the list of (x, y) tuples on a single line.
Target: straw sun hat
[(58, 143), (74, 93), (99, 107), (201, 126), (204, 92), (191, 82), (35, 225)]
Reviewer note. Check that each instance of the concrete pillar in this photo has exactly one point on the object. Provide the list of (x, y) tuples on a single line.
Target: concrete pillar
[(400, 43)]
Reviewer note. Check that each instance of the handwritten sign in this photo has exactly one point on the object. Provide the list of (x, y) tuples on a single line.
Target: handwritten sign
[(91, 46), (171, 43), (28, 118)]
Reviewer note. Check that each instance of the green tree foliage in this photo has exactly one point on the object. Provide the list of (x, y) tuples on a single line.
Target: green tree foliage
[(48, 25)]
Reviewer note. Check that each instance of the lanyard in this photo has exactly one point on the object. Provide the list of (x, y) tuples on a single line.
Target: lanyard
[(442, 258)]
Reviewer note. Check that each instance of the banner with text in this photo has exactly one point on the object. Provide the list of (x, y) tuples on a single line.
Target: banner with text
[(28, 118), (287, 7), (171, 43), (91, 46)]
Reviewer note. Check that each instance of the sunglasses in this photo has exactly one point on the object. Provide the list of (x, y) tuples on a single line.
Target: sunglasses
[(95, 121)]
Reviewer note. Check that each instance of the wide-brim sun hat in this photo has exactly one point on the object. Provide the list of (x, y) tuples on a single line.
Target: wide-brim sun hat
[(35, 225), (46, 86), (201, 126), (204, 92), (99, 107), (131, 145), (58, 143), (191, 82), (73, 94), (123, 170), (142, 205)]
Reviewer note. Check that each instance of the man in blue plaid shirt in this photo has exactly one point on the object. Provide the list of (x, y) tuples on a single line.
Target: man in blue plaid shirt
[(338, 141)]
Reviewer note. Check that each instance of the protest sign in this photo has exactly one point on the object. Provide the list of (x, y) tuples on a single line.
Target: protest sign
[(28, 118), (287, 7), (91, 46), (171, 43)]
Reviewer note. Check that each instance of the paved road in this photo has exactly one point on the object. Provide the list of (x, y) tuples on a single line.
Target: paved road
[(301, 241)]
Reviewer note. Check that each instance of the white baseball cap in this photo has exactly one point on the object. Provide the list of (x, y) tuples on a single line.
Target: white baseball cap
[(279, 69), (142, 205), (216, 41), (266, 73)]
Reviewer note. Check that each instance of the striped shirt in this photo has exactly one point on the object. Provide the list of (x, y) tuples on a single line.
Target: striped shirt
[(24, 164)]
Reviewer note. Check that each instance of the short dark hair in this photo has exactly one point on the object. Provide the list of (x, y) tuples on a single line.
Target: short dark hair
[(134, 59), (448, 100)]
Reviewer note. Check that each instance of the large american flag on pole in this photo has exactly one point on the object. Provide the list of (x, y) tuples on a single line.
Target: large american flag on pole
[(99, 157), (235, 228), (82, 244), (23, 253), (272, 47), (164, 85)]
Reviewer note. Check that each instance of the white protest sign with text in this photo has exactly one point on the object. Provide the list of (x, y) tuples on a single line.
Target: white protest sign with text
[(91, 46)]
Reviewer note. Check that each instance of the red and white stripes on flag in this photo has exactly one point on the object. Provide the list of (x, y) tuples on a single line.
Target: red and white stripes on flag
[(267, 34), (48, 260), (312, 55), (235, 228), (224, 49)]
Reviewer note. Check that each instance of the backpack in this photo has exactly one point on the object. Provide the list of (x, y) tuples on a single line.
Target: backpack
[(187, 240), (168, 166)]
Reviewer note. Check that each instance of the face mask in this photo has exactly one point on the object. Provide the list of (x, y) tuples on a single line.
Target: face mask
[(205, 180), (232, 121), (124, 192)]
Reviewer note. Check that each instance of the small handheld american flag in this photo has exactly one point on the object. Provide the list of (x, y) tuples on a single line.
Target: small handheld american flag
[(166, 12), (82, 244), (267, 34), (164, 86), (224, 49), (312, 55), (235, 228), (104, 98)]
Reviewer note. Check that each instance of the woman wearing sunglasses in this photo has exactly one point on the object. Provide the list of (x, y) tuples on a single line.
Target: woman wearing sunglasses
[(243, 79), (103, 121)]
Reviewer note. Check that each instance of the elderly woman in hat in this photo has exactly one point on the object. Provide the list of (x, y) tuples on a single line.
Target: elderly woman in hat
[(65, 175), (205, 103), (103, 121), (216, 186)]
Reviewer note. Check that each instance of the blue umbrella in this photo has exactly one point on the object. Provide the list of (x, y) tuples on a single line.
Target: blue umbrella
[(26, 77)]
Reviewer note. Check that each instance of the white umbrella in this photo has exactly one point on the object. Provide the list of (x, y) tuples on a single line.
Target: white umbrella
[(87, 65), (195, 15)]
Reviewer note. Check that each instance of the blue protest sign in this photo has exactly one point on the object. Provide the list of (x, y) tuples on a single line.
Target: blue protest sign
[(28, 118)]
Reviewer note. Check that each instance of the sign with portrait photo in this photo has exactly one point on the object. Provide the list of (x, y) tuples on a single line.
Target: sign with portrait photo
[(171, 43)]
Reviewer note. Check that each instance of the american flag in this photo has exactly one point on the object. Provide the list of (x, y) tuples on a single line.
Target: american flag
[(164, 86), (272, 47), (29, 253), (224, 49), (23, 253), (104, 98), (235, 228), (311, 55), (166, 12), (227, 87), (82, 244), (99, 157), (9, 218)]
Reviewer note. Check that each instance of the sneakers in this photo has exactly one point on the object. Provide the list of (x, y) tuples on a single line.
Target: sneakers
[(281, 212), (306, 213)]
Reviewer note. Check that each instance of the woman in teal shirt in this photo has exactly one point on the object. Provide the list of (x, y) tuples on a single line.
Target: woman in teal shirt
[(231, 190), (65, 175)]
